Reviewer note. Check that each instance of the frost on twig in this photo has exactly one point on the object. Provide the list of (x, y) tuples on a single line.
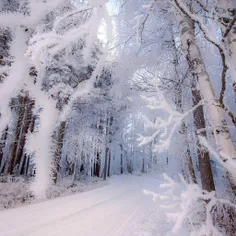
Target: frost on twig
[(164, 125)]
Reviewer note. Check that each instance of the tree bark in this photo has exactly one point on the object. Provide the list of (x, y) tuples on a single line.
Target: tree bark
[(2, 145), (59, 145), (13, 151), (106, 161), (97, 164), (203, 155), (27, 117), (188, 162), (121, 159), (97, 161), (215, 113), (191, 178), (109, 165)]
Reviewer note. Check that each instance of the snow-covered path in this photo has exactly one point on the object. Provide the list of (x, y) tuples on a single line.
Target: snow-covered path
[(112, 210)]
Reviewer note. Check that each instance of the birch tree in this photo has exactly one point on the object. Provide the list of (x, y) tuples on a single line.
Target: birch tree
[(215, 113)]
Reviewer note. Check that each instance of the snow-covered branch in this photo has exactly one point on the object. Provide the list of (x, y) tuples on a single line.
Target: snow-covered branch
[(166, 126)]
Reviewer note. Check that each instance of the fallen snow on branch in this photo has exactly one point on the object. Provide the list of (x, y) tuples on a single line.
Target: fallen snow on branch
[(164, 125), (192, 211)]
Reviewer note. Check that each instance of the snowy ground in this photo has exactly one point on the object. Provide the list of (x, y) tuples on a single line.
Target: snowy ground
[(119, 208)]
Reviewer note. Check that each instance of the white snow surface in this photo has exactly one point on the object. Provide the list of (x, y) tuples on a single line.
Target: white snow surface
[(115, 209)]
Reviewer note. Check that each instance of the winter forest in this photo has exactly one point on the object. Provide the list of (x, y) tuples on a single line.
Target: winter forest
[(132, 102)]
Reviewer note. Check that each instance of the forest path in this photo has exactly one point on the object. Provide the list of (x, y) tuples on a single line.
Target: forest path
[(113, 210)]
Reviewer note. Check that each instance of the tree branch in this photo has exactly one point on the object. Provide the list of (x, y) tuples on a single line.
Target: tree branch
[(221, 51), (229, 27)]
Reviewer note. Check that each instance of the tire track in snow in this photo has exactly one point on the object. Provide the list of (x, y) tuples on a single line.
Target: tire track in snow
[(129, 218)]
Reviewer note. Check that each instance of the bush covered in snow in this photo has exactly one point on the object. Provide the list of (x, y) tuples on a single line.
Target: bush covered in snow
[(194, 212), (14, 191)]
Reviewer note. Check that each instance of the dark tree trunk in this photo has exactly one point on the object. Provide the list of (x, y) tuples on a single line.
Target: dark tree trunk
[(12, 156), (97, 165), (121, 159), (72, 169), (121, 163), (23, 164), (203, 155), (108, 137), (143, 166), (2, 145), (109, 165), (107, 147), (106, 161), (22, 128), (57, 155), (27, 166), (97, 162), (23, 132)]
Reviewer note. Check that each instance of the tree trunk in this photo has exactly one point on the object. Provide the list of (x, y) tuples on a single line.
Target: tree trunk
[(143, 166), (107, 147), (203, 155), (108, 138), (2, 145), (97, 161), (106, 161), (97, 165), (15, 144), (23, 132), (215, 112), (22, 128), (59, 144), (27, 166), (121, 159), (191, 177), (109, 165), (188, 162)]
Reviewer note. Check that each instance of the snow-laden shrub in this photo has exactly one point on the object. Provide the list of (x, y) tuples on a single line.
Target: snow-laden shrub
[(195, 212), (15, 191), (67, 187)]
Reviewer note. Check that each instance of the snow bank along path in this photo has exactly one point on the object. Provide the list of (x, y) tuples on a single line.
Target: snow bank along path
[(108, 211)]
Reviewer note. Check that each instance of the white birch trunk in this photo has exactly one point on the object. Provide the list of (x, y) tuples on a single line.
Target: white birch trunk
[(215, 113)]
